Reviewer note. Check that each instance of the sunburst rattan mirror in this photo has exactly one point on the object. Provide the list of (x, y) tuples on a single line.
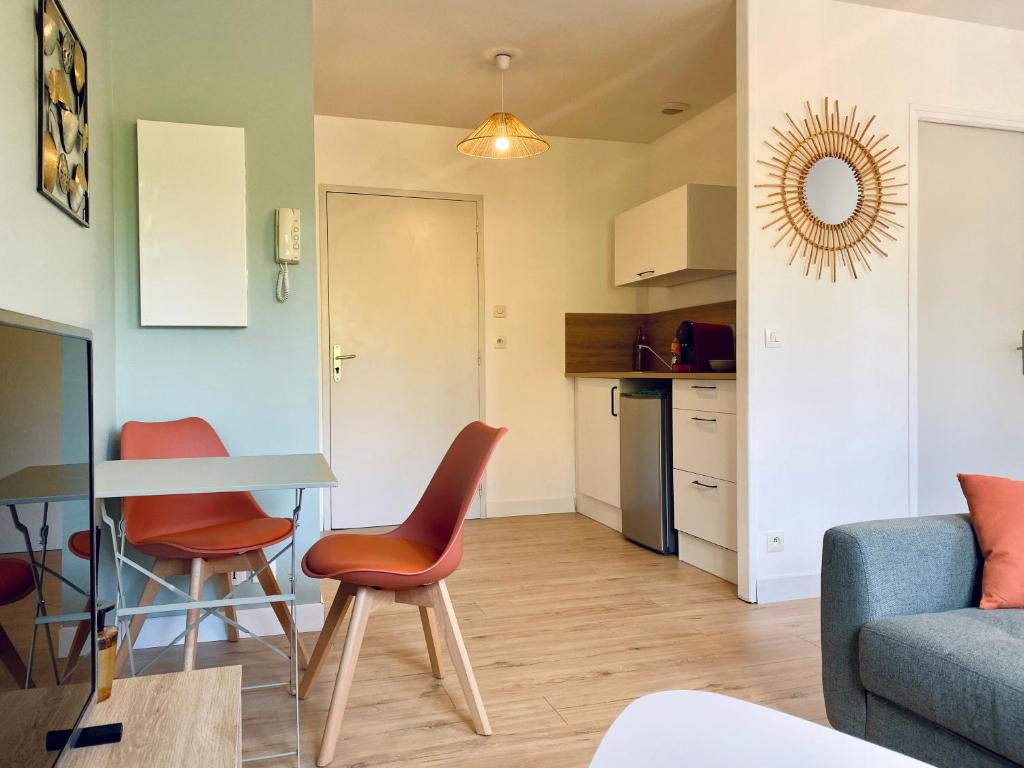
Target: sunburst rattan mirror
[(832, 197)]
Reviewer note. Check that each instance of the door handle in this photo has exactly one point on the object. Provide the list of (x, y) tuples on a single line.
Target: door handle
[(338, 357), (702, 485), (613, 402), (645, 272), (1021, 350), (698, 418)]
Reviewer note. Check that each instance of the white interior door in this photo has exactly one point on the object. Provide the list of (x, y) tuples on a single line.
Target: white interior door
[(403, 297), (970, 309)]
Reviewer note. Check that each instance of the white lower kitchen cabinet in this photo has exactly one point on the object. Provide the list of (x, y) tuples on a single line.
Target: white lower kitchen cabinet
[(704, 474), (705, 507), (704, 442), (597, 450)]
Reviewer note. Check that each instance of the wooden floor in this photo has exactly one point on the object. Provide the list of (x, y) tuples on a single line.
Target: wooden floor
[(566, 623)]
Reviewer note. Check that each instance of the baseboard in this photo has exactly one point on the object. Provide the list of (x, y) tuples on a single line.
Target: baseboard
[(602, 513), (518, 507), (716, 560), (797, 586), (160, 630)]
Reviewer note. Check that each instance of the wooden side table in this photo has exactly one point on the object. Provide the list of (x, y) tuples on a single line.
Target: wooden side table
[(173, 720)]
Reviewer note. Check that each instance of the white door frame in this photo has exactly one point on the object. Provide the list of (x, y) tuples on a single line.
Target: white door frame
[(920, 113), (324, 359)]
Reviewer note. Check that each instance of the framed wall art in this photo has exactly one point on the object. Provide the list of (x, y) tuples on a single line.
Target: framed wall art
[(63, 113)]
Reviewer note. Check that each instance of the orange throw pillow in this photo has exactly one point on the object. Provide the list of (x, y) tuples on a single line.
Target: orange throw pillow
[(997, 514)]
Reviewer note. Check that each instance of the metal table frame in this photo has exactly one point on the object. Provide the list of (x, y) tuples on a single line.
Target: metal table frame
[(47, 484), (200, 476)]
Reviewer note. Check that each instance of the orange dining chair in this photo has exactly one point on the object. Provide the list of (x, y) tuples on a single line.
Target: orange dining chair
[(200, 535), (16, 583), (407, 565)]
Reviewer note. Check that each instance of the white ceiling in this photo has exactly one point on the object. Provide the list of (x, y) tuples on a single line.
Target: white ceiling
[(996, 13), (589, 68)]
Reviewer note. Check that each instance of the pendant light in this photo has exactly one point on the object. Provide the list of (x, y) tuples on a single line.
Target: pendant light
[(503, 136)]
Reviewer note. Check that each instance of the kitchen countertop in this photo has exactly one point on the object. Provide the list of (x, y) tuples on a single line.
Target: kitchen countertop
[(651, 375)]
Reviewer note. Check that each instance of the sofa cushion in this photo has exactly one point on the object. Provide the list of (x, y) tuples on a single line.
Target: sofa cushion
[(997, 514), (962, 669)]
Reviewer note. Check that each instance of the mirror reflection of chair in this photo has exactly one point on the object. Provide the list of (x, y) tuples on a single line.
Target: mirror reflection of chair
[(79, 545), (407, 565), (16, 583), (198, 535)]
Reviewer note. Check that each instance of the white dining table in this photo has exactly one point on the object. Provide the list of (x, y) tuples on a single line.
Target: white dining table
[(221, 474)]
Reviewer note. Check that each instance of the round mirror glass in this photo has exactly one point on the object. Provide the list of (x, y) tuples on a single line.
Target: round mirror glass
[(830, 190)]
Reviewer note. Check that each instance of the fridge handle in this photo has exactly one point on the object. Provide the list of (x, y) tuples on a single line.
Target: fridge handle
[(613, 401)]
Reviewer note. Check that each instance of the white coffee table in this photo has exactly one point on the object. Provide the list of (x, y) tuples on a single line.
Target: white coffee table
[(695, 729)]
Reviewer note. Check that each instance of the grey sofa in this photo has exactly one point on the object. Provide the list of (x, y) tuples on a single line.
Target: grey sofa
[(906, 661)]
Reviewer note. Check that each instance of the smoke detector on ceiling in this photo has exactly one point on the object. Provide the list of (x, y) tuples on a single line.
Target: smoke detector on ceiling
[(672, 108)]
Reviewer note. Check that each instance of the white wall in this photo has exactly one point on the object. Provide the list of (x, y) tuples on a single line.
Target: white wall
[(700, 151), (829, 419), (547, 251), (50, 266)]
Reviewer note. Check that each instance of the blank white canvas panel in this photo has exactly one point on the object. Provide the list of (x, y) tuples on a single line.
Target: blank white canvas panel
[(192, 249)]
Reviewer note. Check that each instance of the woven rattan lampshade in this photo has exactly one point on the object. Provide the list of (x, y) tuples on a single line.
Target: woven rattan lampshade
[(519, 140), (503, 136)]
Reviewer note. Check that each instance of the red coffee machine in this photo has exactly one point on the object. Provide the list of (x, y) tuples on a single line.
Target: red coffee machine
[(696, 343)]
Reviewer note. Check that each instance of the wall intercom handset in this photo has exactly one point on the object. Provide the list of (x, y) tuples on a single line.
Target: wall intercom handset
[(287, 246)]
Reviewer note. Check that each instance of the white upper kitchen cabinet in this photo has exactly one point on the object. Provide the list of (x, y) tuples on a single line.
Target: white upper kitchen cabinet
[(681, 236)]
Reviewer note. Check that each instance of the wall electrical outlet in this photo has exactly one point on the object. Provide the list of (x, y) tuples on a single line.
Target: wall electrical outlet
[(500, 310), (776, 541), (500, 342)]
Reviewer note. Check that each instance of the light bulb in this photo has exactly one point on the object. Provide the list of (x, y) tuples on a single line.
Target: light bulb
[(501, 144)]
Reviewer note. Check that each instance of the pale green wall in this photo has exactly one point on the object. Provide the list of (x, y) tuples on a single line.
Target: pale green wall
[(50, 266), (246, 63)]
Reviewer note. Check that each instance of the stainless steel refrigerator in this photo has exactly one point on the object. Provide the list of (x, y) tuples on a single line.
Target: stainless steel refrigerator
[(645, 456)]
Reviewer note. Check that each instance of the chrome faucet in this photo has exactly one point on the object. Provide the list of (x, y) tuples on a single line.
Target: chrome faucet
[(651, 350)]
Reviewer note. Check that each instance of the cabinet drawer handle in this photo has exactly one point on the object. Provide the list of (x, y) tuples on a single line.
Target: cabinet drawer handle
[(702, 386), (698, 418), (645, 272), (702, 485), (613, 402)]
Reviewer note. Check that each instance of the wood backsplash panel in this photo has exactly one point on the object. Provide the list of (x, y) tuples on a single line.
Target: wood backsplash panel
[(661, 326), (600, 341), (604, 341)]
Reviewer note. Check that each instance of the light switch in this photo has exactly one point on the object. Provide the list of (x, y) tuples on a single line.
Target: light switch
[(500, 342), (500, 310), (772, 337)]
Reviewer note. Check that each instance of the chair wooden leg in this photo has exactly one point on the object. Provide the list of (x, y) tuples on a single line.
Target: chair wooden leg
[(78, 642), (460, 658), (270, 586), (342, 601), (11, 660), (361, 610), (429, 623), (195, 592), (163, 569), (224, 579)]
